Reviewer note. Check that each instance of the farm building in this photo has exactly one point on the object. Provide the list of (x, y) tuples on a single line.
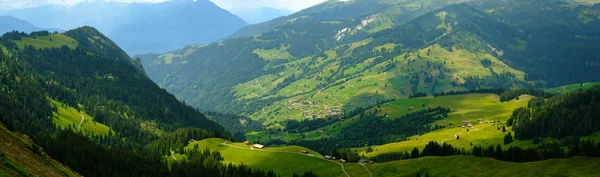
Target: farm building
[(464, 122), (304, 151), (342, 160), (327, 157), (247, 143), (470, 125), (258, 146)]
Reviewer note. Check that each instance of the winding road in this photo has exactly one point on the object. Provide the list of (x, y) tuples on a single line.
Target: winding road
[(309, 155)]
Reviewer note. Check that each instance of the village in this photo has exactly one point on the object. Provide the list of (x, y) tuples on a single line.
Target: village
[(311, 109)]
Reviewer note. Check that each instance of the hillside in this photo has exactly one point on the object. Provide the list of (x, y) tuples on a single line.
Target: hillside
[(141, 27), (19, 156), (90, 85), (360, 74)]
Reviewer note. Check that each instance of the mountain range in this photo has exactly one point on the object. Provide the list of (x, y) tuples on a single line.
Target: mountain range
[(141, 27), (338, 56)]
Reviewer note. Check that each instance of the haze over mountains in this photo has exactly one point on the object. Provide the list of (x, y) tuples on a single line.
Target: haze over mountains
[(141, 27)]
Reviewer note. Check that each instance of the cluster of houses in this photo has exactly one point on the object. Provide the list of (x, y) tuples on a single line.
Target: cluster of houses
[(466, 123), (328, 157), (310, 109)]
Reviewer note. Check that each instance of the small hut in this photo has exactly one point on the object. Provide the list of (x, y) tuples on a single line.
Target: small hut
[(258, 146), (342, 160), (304, 151), (247, 143)]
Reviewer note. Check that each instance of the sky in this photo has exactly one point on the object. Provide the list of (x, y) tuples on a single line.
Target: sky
[(231, 5)]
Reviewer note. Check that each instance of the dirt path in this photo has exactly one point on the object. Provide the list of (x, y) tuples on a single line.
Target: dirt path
[(370, 174), (82, 119), (309, 155)]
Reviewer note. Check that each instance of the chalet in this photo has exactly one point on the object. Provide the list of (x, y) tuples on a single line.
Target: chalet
[(258, 146), (342, 160), (363, 161), (464, 122), (470, 125), (304, 151), (333, 158), (247, 143), (411, 108), (327, 157)]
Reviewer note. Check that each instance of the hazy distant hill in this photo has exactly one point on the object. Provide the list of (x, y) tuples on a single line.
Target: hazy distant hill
[(141, 27), (9, 23)]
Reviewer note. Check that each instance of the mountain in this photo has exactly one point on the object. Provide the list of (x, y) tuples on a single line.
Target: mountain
[(82, 72), (9, 23), (325, 60), (142, 27), (262, 14)]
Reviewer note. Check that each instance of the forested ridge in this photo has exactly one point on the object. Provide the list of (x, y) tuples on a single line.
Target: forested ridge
[(113, 90)]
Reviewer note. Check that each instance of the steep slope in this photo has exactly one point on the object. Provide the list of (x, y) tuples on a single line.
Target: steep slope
[(97, 79), (141, 27), (19, 156)]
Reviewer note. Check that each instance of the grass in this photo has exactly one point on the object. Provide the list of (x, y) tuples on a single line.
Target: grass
[(478, 166), (284, 160), (69, 117), (274, 54), (364, 84), (52, 41), (469, 107), (572, 87)]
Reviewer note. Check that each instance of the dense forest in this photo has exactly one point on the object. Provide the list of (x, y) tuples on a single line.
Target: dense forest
[(573, 114)]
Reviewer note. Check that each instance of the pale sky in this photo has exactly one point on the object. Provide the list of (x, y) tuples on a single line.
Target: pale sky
[(294, 5)]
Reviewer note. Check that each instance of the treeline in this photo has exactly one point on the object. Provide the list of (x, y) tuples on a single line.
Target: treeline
[(235, 123), (513, 94), (91, 159), (573, 114), (431, 149), (176, 141), (511, 154), (541, 152), (371, 129)]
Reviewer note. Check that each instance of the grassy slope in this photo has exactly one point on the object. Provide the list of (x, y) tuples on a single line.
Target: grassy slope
[(68, 116), (283, 160), (470, 107), (376, 82), (477, 166), (572, 87), (17, 158), (58, 40)]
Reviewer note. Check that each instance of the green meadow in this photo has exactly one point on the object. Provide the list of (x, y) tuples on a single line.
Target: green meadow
[(284, 160), (572, 87), (69, 117), (51, 41)]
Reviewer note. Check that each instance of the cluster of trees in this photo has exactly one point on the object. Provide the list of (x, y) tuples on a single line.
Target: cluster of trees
[(573, 114), (431, 149), (541, 152), (371, 129), (512, 154), (513, 94)]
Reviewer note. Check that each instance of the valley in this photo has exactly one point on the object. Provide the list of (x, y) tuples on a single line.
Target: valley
[(357, 88)]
